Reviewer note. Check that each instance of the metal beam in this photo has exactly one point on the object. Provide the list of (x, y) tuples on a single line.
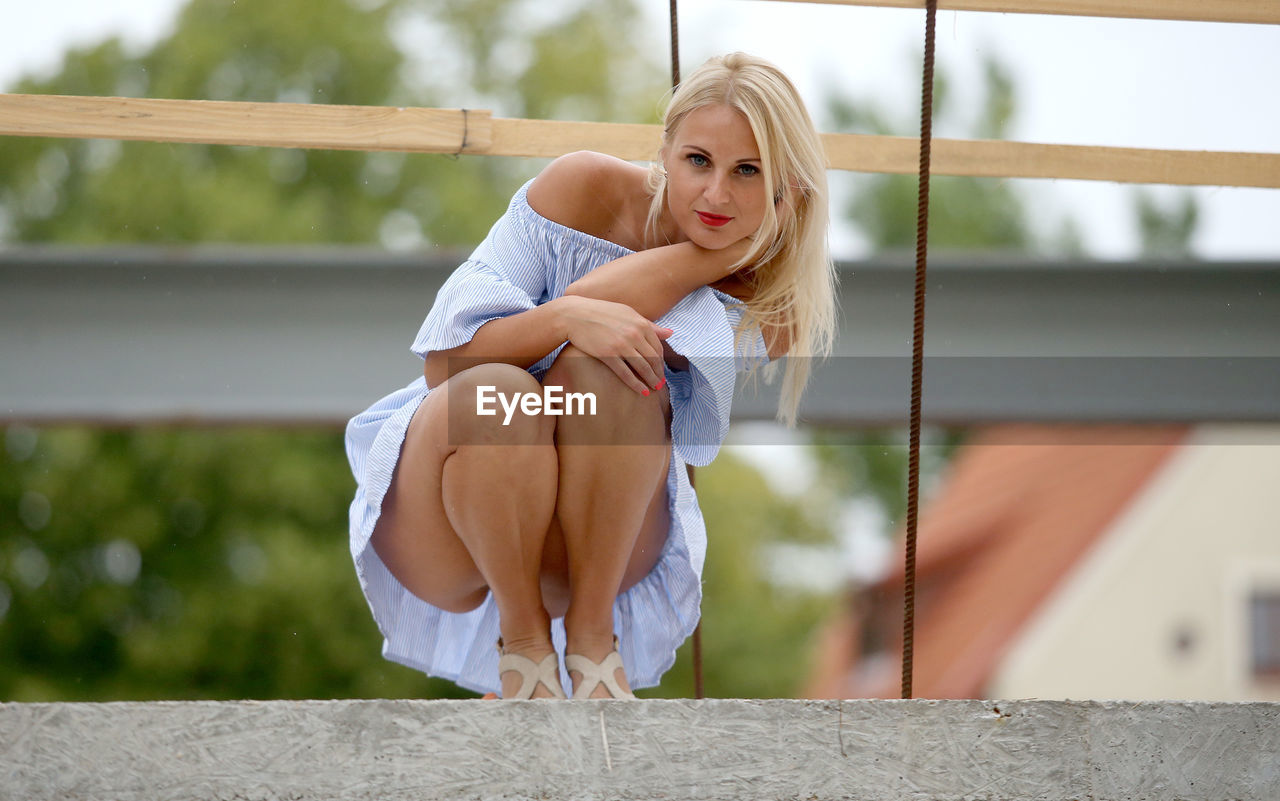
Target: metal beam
[(295, 335)]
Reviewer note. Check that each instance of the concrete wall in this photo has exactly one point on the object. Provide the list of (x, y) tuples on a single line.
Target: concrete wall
[(1159, 609), (703, 750)]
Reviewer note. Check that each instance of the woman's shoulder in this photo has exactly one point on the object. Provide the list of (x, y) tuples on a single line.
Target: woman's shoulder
[(594, 193)]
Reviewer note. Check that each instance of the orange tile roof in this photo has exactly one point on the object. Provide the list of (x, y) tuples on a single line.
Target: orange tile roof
[(1018, 507)]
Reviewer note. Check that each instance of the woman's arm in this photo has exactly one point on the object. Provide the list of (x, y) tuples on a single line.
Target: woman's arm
[(604, 196), (650, 281), (520, 339), (607, 312), (612, 332), (653, 281)]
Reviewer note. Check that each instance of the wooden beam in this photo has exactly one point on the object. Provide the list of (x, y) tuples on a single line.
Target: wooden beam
[(1265, 12), (220, 122), (425, 130), (1007, 159), (548, 138)]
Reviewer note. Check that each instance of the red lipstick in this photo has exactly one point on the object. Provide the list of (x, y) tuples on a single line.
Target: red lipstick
[(714, 220)]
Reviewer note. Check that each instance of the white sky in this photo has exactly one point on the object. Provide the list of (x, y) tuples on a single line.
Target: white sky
[(1136, 83)]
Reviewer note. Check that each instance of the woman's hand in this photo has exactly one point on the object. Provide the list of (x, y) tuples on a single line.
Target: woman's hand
[(619, 336)]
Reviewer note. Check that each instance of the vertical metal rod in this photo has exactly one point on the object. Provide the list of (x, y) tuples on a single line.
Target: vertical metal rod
[(675, 46), (675, 81), (917, 356)]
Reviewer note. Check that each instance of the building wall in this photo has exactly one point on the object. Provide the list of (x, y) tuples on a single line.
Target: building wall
[(1159, 608)]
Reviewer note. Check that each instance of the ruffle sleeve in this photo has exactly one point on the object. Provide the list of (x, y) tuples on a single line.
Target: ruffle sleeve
[(702, 395), (506, 274)]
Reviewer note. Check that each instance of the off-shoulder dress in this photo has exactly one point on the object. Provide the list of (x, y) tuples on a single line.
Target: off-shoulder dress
[(526, 260)]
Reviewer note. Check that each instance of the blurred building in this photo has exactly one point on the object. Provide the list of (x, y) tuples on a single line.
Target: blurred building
[(1083, 562)]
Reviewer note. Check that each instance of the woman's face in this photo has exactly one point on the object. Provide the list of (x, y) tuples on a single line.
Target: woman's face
[(715, 184)]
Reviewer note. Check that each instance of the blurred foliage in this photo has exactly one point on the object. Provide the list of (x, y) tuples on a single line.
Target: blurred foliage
[(212, 563), (182, 563), (104, 191), (1166, 230), (759, 636), (873, 464), (964, 212)]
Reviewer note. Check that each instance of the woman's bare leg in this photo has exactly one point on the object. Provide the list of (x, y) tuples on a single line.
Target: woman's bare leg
[(470, 506), (612, 503)]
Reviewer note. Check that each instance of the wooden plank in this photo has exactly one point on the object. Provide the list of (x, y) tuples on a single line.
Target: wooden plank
[(548, 138), (219, 122), (1249, 11), (423, 130), (1006, 159)]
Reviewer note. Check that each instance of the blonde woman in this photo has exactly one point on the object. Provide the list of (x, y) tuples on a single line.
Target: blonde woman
[(489, 514)]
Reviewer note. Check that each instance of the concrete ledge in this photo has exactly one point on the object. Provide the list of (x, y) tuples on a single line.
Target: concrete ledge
[(715, 749)]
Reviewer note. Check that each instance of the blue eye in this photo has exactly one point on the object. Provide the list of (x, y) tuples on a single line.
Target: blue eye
[(749, 169), (698, 160)]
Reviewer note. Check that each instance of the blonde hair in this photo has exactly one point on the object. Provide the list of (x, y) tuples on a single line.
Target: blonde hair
[(792, 279)]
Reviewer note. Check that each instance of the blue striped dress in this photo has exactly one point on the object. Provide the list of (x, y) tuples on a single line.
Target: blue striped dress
[(526, 260)]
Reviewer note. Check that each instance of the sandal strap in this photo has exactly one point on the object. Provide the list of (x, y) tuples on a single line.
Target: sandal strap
[(546, 672), (596, 673)]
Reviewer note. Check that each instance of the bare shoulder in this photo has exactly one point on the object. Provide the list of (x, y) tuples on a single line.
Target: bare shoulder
[(591, 192)]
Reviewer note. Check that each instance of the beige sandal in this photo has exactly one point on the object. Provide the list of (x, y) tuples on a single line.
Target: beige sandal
[(595, 673), (546, 672)]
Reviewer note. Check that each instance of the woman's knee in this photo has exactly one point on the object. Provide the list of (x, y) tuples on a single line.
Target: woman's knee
[(576, 370), (486, 406), (619, 415)]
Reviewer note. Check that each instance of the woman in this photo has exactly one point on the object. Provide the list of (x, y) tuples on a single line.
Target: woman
[(479, 520)]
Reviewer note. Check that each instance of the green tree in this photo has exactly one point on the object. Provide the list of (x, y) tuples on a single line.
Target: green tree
[(965, 213), (93, 191), (758, 634), (1166, 230), (196, 563)]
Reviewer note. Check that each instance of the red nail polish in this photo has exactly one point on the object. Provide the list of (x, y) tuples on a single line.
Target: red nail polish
[(646, 393)]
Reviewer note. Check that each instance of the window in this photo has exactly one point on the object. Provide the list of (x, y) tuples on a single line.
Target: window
[(1264, 634)]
